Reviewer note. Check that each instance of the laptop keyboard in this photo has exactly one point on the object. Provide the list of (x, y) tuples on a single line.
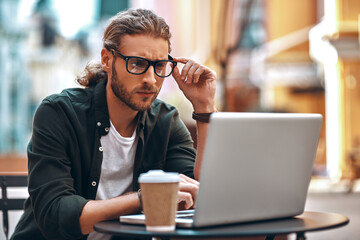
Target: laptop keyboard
[(185, 215)]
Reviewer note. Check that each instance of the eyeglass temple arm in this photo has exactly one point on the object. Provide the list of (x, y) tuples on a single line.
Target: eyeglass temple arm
[(172, 59)]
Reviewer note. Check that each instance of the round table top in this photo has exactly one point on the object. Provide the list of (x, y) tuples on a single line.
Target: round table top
[(308, 221)]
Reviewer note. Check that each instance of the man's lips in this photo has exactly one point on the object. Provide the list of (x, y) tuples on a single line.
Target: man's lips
[(146, 93)]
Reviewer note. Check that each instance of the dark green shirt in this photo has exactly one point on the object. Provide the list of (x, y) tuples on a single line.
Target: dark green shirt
[(65, 157)]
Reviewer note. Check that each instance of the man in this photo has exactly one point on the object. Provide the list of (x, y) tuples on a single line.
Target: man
[(89, 145)]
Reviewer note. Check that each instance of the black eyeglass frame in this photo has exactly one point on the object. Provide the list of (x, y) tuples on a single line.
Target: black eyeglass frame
[(150, 63)]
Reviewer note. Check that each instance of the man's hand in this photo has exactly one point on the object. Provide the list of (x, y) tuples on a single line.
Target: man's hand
[(188, 192), (198, 83)]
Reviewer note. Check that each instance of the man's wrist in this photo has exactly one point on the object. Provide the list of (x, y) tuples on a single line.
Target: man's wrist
[(204, 106), (202, 117), (205, 109)]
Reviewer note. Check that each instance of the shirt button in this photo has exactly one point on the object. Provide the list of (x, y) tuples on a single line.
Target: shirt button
[(93, 183), (107, 129), (99, 124), (101, 149)]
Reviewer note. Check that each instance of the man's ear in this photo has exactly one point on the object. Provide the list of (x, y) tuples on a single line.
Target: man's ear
[(106, 60)]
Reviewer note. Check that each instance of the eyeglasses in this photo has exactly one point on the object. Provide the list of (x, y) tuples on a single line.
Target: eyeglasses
[(138, 65)]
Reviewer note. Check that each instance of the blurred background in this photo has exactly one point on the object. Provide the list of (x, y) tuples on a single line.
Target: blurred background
[(269, 55), (297, 56)]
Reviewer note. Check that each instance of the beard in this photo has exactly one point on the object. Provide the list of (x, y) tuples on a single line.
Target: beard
[(128, 97)]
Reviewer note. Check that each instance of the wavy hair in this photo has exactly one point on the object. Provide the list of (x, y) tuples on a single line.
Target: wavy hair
[(130, 22)]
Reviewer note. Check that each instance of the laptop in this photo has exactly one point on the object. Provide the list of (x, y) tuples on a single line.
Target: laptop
[(256, 166)]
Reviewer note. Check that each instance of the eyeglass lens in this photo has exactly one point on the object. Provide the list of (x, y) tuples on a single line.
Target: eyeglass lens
[(138, 66)]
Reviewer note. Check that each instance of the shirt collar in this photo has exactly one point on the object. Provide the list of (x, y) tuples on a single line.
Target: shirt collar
[(142, 116), (101, 108)]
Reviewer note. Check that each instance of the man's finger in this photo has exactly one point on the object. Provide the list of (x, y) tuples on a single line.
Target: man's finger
[(192, 189), (190, 75), (181, 60), (187, 198), (176, 73), (197, 74), (185, 71), (188, 179)]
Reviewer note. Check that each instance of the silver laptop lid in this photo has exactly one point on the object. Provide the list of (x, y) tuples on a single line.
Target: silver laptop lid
[(256, 166)]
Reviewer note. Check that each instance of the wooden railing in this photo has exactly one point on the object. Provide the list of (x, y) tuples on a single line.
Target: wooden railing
[(13, 165)]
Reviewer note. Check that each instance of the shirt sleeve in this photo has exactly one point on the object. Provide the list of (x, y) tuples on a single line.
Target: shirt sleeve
[(181, 154), (55, 202)]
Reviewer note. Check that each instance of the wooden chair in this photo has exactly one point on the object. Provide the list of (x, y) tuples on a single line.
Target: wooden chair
[(7, 204)]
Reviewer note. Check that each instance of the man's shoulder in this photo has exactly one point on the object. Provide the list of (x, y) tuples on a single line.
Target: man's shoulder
[(71, 95), (67, 104), (161, 106)]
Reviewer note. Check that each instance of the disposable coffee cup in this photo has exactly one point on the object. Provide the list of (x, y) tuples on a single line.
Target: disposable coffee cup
[(159, 198)]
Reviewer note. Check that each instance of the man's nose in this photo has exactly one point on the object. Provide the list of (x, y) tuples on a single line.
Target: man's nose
[(149, 76)]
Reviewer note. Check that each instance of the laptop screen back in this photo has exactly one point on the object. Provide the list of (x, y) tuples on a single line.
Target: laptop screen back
[(256, 166)]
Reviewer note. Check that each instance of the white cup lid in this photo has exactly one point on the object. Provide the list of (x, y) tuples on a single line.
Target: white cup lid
[(158, 176)]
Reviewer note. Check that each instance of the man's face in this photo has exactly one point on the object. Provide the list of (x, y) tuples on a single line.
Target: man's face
[(138, 91)]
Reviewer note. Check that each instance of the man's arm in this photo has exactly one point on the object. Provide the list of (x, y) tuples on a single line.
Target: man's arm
[(202, 129), (99, 210), (198, 83)]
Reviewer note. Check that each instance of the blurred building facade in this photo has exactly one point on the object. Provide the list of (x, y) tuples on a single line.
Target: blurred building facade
[(37, 59), (335, 46), (15, 81)]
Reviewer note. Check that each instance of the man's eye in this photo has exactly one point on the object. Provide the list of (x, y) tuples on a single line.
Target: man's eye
[(139, 63), (161, 65)]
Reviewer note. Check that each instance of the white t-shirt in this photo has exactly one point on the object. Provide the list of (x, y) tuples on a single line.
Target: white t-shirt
[(116, 169)]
